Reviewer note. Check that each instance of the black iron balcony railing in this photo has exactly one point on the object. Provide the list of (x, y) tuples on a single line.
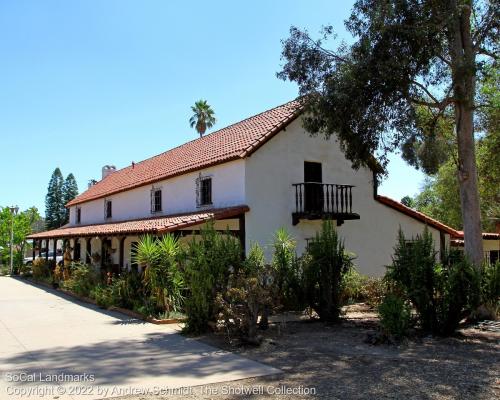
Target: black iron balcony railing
[(323, 200)]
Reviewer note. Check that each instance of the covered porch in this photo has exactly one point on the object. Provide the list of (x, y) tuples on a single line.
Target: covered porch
[(112, 244)]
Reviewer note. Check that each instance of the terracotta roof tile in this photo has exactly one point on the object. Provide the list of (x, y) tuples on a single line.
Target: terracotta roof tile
[(486, 235), (396, 205), (233, 142), (157, 225)]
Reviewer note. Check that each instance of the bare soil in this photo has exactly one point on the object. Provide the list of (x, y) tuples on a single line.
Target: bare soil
[(335, 362)]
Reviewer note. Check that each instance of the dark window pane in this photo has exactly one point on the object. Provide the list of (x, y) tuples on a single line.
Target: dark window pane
[(206, 191), (157, 200)]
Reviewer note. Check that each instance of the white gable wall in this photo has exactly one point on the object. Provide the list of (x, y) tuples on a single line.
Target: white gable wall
[(270, 173), (178, 195)]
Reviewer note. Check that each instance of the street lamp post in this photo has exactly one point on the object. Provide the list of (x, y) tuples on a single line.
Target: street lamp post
[(13, 211)]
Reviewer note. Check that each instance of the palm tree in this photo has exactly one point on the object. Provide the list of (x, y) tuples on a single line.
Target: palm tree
[(203, 117)]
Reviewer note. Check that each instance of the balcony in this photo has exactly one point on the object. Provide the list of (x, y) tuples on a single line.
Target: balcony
[(323, 201)]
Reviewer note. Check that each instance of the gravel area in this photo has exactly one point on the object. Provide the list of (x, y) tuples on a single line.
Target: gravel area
[(334, 362)]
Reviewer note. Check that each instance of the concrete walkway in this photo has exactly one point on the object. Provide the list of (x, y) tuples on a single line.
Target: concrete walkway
[(44, 332)]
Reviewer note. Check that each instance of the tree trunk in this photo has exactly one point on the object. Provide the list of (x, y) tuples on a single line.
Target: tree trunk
[(464, 79)]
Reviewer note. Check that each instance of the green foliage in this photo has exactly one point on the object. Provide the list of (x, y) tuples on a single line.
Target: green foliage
[(439, 196), (41, 269), (69, 192), (83, 279), (162, 277), (434, 144), (490, 290), (286, 271), (395, 315), (55, 212), (326, 266), (203, 117), (408, 201), (247, 297), (442, 294), (103, 295), (358, 288), (23, 224), (209, 262), (395, 81), (128, 290)]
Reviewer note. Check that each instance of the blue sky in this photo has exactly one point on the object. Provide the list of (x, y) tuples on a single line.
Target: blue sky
[(91, 82)]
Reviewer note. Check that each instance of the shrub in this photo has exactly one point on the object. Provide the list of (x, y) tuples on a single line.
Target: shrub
[(373, 291), (103, 296), (490, 287), (41, 269), (442, 294), (352, 287), (128, 290), (395, 315), (209, 262), (83, 279), (247, 297), (326, 264)]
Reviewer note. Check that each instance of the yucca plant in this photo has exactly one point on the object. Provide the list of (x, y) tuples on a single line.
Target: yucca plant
[(161, 274), (283, 257), (146, 252)]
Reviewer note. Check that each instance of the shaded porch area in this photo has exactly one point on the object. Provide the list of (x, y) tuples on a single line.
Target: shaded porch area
[(112, 244)]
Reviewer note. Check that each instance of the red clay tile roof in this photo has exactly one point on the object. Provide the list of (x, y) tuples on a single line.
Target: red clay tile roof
[(236, 141), (486, 235), (157, 225), (396, 205)]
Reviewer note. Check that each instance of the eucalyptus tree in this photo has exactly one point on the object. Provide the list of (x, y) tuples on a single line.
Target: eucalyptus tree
[(405, 55)]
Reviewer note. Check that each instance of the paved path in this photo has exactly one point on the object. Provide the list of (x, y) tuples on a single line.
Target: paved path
[(43, 332)]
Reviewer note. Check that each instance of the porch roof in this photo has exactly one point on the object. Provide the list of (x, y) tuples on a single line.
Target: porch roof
[(155, 225)]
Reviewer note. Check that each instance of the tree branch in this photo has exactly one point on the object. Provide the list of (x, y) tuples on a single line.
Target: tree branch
[(425, 90), (485, 52), (486, 26)]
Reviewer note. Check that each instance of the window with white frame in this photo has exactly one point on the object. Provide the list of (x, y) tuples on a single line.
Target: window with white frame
[(78, 215)]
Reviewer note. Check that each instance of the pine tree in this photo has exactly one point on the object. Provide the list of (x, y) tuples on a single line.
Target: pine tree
[(54, 205), (69, 192)]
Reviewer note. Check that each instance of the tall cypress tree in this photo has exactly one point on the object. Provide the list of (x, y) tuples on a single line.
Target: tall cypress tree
[(54, 204), (70, 191)]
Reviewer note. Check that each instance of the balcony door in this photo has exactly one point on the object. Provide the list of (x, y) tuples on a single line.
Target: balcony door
[(313, 179)]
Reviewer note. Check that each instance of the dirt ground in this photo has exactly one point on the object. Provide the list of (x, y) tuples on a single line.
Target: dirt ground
[(334, 362)]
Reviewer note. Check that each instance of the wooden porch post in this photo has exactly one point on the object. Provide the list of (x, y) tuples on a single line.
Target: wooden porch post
[(34, 246)]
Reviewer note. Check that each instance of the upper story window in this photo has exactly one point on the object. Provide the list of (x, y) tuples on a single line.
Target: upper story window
[(108, 209), (155, 200), (78, 215), (204, 191)]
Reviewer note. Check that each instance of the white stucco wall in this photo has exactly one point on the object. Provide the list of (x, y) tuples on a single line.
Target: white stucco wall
[(178, 195), (270, 173)]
